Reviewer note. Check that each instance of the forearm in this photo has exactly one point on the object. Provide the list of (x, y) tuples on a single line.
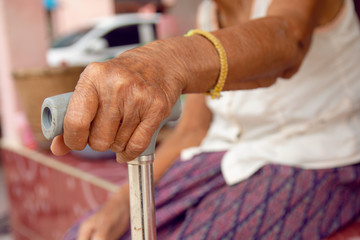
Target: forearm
[(266, 49), (118, 104), (258, 52), (261, 55)]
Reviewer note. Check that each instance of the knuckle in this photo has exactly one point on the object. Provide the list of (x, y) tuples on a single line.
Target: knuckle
[(98, 145), (89, 72), (160, 109), (94, 68), (117, 147), (79, 147), (134, 149), (75, 125), (92, 72), (118, 84), (99, 140), (74, 144)]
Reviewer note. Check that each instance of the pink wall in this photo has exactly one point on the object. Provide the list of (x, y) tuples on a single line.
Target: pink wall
[(24, 40), (23, 44), (27, 34), (7, 92), (27, 31)]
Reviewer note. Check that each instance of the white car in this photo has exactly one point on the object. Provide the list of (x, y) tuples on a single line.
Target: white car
[(104, 40)]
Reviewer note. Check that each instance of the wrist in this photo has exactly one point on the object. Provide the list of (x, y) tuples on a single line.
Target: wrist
[(215, 91), (171, 63), (202, 64), (190, 63)]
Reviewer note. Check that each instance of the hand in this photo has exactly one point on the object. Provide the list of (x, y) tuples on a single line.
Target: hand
[(110, 222), (118, 104)]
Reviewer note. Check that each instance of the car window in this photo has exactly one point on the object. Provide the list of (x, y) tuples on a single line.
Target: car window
[(125, 35), (70, 39)]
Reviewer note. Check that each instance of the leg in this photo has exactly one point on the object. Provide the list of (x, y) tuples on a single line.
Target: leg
[(278, 202)]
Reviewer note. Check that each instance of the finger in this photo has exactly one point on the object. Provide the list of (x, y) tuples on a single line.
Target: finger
[(129, 123), (85, 232), (138, 141), (58, 146), (104, 127), (80, 113)]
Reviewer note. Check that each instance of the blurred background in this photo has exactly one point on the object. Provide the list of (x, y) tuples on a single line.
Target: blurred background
[(44, 46)]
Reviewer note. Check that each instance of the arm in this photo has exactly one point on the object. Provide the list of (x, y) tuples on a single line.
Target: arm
[(113, 219), (125, 99), (258, 51)]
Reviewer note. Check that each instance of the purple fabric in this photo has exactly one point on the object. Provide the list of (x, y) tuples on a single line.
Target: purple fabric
[(277, 202)]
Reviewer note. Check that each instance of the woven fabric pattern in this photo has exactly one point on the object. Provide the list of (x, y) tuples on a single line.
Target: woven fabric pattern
[(278, 202)]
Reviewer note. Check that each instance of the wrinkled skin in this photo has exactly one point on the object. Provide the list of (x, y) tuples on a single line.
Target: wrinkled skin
[(118, 104), (104, 109), (112, 220)]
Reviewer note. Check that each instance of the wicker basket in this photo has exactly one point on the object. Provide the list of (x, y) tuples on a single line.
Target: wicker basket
[(34, 85)]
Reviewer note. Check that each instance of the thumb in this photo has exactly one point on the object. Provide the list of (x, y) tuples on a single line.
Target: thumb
[(58, 146)]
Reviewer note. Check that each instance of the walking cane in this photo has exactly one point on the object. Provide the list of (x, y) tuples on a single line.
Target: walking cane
[(140, 170)]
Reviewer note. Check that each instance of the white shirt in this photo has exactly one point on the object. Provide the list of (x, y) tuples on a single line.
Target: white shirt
[(310, 121)]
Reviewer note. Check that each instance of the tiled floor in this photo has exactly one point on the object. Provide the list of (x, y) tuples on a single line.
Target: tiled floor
[(4, 227)]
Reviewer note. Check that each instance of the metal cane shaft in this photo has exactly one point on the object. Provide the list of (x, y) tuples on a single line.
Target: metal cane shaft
[(141, 179), (142, 205)]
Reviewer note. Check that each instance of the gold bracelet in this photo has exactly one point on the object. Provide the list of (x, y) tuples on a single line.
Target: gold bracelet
[(215, 92)]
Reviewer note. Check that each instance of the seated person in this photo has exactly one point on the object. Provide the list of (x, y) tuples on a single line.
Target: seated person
[(277, 157)]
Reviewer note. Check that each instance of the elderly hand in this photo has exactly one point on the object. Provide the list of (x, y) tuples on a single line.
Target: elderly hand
[(119, 104)]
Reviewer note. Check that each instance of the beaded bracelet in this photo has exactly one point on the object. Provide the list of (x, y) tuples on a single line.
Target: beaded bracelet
[(215, 92)]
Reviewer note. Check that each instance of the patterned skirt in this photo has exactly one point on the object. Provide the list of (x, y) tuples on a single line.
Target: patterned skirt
[(277, 202)]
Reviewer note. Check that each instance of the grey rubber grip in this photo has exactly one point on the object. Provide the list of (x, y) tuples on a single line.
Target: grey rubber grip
[(54, 108), (53, 111)]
